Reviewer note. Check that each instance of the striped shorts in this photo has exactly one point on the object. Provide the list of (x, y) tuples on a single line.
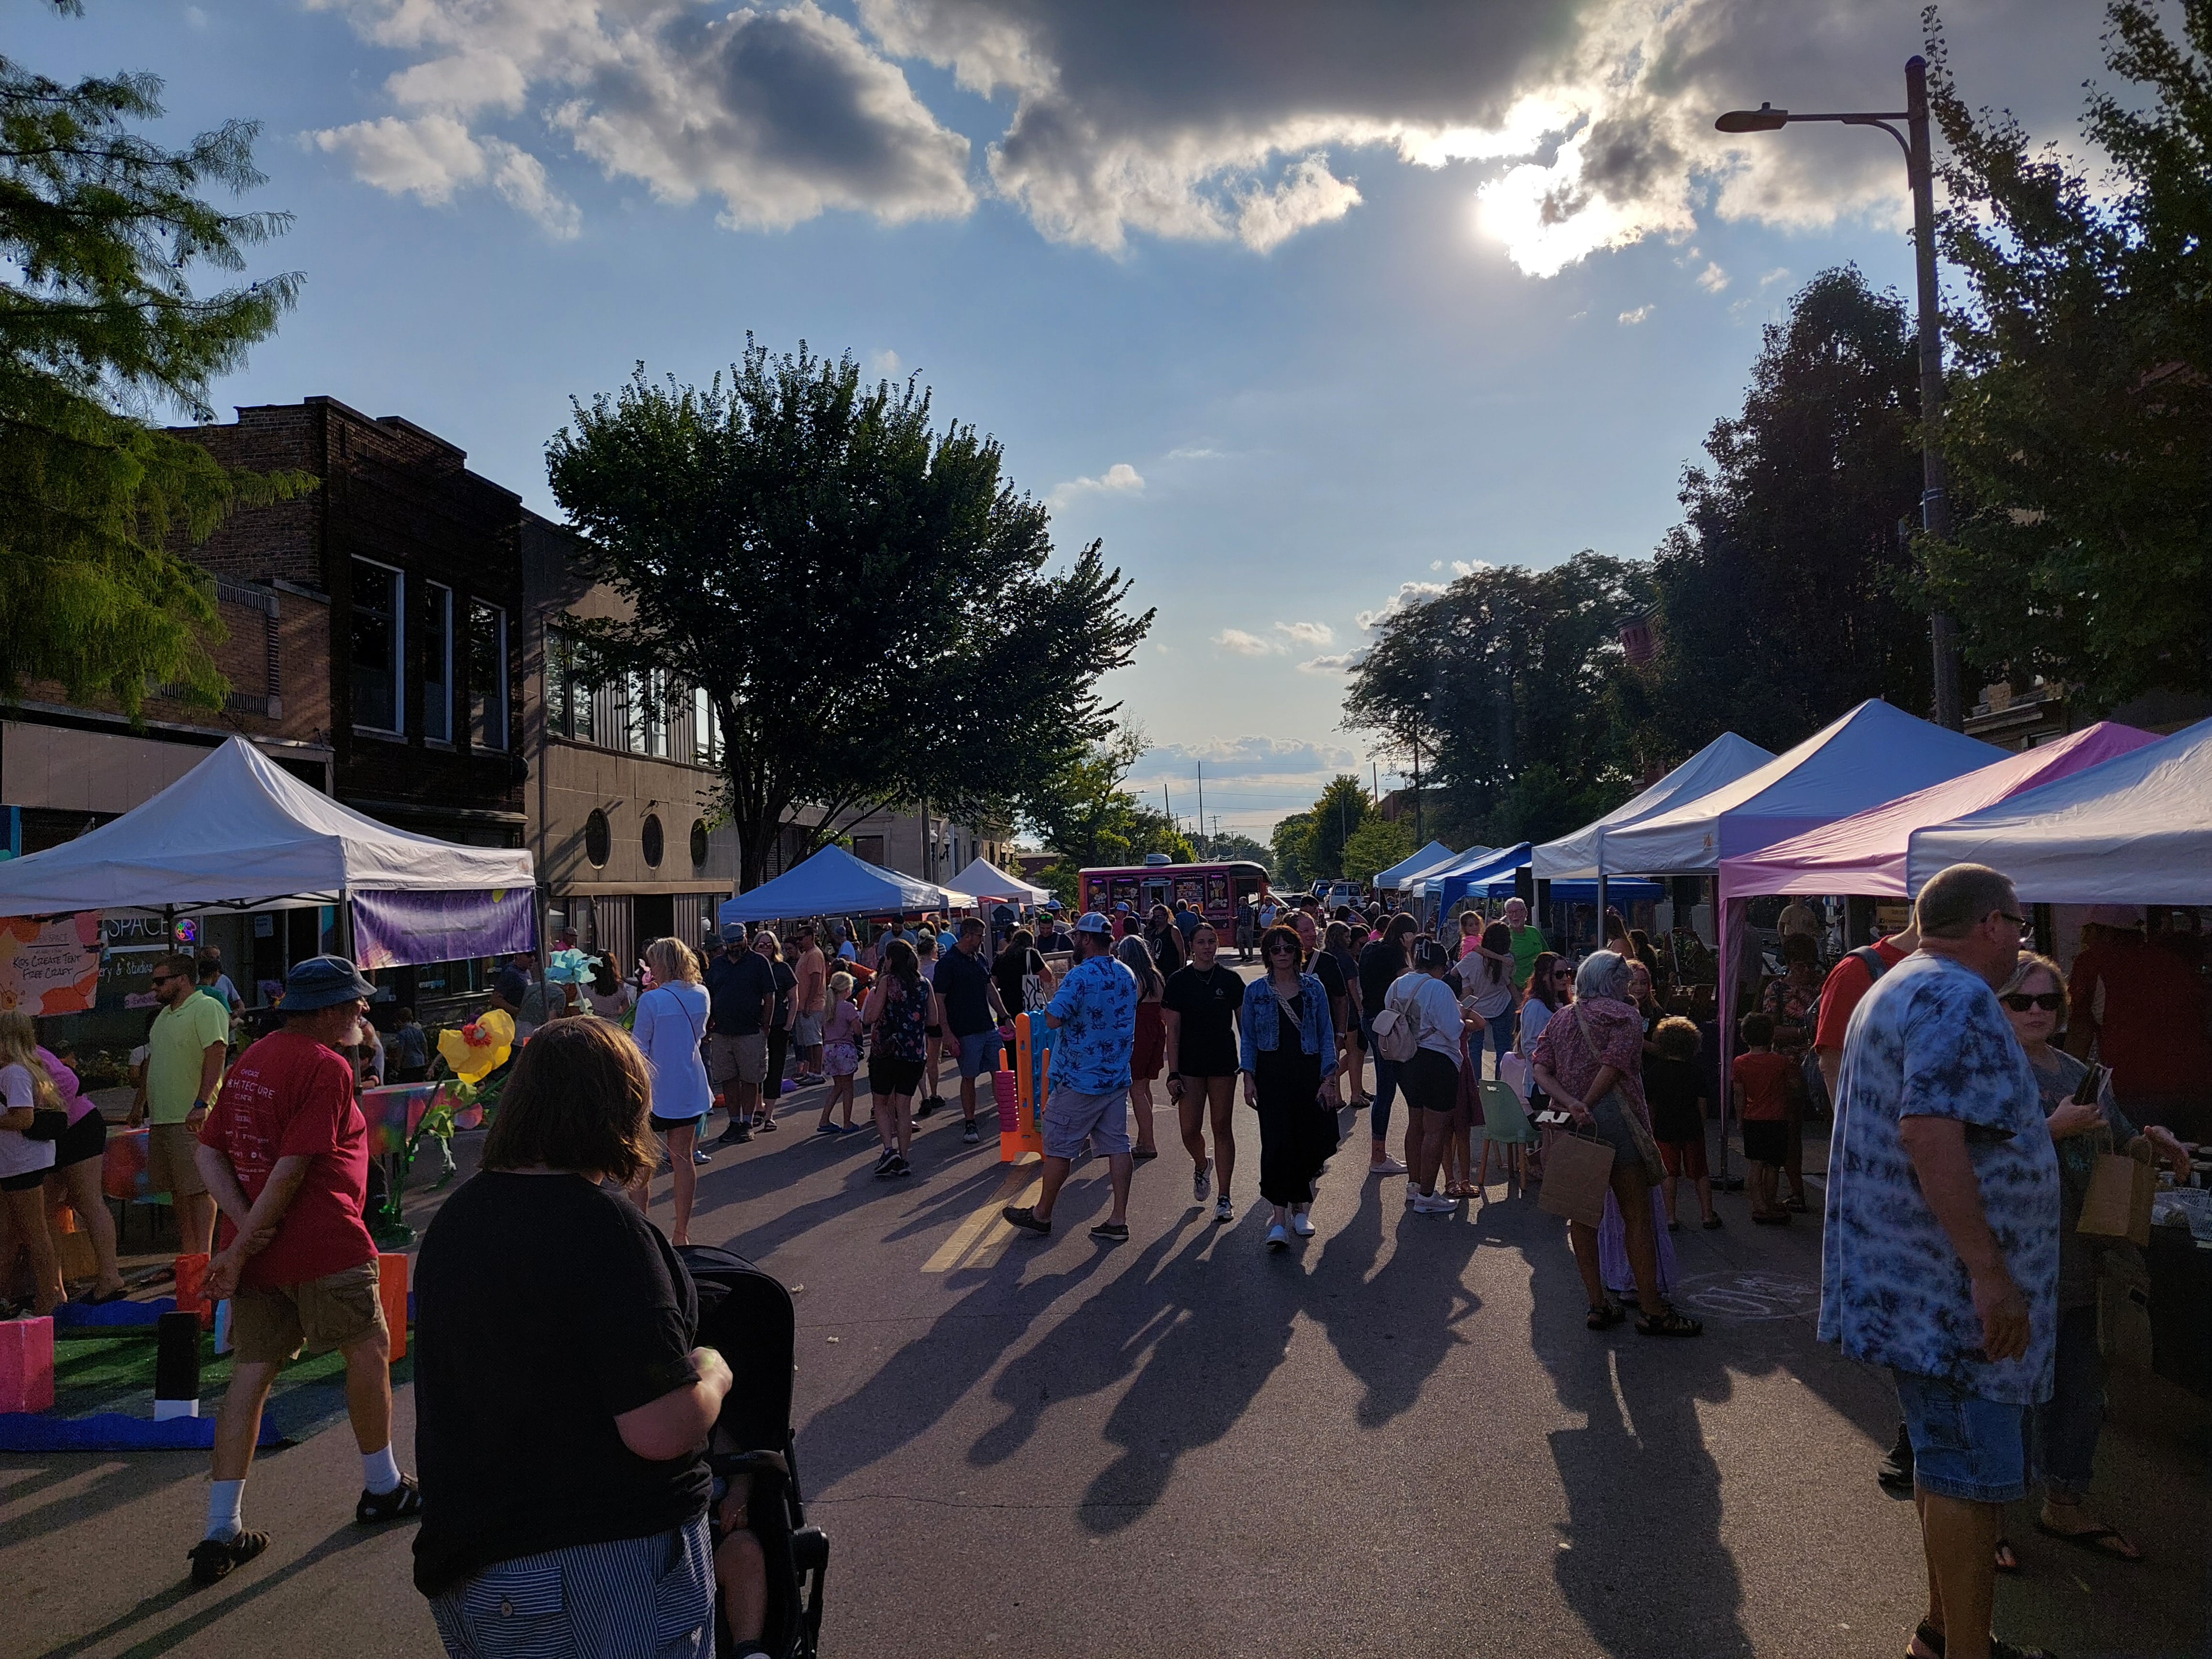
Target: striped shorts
[(635, 1598)]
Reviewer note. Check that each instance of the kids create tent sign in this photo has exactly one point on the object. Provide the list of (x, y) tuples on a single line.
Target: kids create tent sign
[(49, 967)]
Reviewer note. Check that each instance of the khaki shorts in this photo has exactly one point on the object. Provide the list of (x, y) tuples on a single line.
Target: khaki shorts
[(169, 1161), (744, 1058), (270, 1323)]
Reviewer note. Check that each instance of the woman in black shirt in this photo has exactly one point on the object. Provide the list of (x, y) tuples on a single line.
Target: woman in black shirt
[(1379, 965), (561, 1407), (1200, 1008)]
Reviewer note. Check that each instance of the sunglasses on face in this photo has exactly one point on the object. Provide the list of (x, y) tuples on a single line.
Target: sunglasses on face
[(1282, 951), (2021, 1001)]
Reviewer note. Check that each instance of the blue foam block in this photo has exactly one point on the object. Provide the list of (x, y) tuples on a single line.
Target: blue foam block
[(36, 1431)]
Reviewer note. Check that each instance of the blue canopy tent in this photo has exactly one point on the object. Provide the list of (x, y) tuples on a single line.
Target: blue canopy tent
[(833, 883), (1494, 879)]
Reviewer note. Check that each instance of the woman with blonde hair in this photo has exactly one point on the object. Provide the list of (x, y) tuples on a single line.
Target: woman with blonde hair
[(669, 1025), (26, 1090)]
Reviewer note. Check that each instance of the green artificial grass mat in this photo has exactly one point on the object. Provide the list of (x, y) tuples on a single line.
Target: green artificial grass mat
[(112, 1370)]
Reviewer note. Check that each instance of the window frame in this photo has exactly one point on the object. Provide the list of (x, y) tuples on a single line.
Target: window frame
[(441, 633), (398, 615), (500, 700)]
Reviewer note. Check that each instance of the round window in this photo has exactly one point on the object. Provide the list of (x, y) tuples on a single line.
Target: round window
[(698, 841), (651, 836), (599, 839)]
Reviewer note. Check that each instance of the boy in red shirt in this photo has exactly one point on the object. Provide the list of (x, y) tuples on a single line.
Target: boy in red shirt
[(1763, 1083), (285, 1156)]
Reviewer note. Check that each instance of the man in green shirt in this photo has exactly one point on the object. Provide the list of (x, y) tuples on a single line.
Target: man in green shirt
[(185, 1056), (1529, 943)]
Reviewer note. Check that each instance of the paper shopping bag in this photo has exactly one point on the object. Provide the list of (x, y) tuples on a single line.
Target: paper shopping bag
[(2118, 1202), (1578, 1175)]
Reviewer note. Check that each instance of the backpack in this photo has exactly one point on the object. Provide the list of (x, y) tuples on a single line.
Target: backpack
[(1397, 1037), (1816, 1084)]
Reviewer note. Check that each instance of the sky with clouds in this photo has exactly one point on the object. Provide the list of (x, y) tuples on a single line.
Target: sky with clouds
[(1300, 306)]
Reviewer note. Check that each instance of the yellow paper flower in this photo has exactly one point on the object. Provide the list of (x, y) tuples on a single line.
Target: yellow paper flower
[(475, 1051)]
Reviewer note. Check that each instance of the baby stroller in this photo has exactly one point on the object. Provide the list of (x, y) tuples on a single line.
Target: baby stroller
[(746, 1315)]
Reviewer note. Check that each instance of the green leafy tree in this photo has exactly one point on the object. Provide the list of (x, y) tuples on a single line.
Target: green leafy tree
[(1291, 866), (1342, 807), (1779, 600), (1232, 846), (1507, 669), (1376, 845), (2079, 426), (100, 232), (1082, 811), (840, 579)]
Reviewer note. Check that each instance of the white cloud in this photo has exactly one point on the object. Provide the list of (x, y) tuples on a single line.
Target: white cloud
[(1630, 319), (1309, 194), (1251, 782), (1306, 633), (1243, 644), (783, 112), (1712, 278), (885, 362), (1341, 662), (1196, 453), (432, 157), (195, 17), (1120, 478), (1779, 274), (1409, 595)]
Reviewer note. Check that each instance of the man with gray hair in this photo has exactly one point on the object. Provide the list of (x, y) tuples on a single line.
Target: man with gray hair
[(1940, 1257)]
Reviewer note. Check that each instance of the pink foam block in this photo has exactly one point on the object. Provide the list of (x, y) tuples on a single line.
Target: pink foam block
[(27, 1365)]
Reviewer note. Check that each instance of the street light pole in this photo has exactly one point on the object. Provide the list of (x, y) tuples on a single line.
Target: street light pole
[(1920, 170)]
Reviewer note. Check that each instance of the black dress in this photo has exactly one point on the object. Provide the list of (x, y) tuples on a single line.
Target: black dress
[(1296, 1132)]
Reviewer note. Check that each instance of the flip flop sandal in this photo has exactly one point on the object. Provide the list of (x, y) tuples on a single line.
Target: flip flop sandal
[(2093, 1538), (2007, 1557), (1668, 1322)]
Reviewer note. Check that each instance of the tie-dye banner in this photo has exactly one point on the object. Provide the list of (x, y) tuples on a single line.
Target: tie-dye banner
[(395, 930)]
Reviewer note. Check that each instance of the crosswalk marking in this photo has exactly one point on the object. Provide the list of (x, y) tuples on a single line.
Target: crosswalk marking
[(980, 1239)]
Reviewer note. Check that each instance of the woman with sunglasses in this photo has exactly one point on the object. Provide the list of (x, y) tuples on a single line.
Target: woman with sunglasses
[(1551, 988), (1286, 1040), (2067, 1425)]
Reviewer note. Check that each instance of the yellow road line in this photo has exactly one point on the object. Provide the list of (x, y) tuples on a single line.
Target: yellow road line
[(987, 1231)]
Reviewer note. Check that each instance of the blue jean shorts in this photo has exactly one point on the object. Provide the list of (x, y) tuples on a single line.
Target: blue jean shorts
[(978, 1053), (1964, 1446)]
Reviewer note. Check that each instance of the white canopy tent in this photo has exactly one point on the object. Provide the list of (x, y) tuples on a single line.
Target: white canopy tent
[(238, 832), (833, 883), (1434, 854), (1574, 857), (987, 882), (2134, 831)]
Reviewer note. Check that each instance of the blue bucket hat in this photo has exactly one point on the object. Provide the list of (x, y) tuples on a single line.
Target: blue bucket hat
[(324, 982)]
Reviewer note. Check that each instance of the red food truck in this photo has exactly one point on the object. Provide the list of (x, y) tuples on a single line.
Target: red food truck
[(1214, 890)]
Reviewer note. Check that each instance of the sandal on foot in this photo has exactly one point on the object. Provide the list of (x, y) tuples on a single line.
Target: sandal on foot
[(1605, 1318), (2096, 1539), (1145, 1154), (2007, 1557), (403, 1503), (212, 1559), (1668, 1322)]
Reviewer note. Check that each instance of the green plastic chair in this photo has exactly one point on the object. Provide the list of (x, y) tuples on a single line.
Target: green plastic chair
[(1504, 1123)]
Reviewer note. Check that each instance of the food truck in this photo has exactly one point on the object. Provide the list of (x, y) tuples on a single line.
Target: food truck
[(1214, 890)]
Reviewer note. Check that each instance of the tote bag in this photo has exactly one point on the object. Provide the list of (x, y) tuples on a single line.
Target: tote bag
[(1578, 1175)]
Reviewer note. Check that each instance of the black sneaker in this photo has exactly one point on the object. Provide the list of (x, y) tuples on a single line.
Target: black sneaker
[(890, 1158), (1022, 1216), (212, 1559), (929, 1103), (971, 1134), (1894, 1472), (403, 1503)]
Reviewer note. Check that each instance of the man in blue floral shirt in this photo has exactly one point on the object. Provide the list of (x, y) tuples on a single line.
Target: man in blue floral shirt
[(1940, 1256), (1093, 1017)]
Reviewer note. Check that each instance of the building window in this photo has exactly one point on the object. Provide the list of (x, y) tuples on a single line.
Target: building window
[(705, 731), (377, 642), (648, 696), (869, 850), (649, 837), (698, 843), (574, 696), (599, 839), (487, 675), (438, 665)]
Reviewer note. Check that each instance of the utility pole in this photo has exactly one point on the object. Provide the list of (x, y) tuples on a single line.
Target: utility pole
[(1935, 492), (1201, 800), (1420, 839)]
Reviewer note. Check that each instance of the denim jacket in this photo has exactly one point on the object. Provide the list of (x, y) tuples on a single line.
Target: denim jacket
[(1261, 1027)]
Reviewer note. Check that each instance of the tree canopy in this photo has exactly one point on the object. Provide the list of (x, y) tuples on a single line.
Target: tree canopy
[(1083, 812), (100, 232), (866, 599), (2079, 428)]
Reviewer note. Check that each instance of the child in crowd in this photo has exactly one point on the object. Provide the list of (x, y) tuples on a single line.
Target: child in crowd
[(840, 1053), (927, 946), (1763, 1081), (1674, 1087)]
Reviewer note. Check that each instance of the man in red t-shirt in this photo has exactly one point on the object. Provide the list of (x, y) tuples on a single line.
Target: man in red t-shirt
[(1765, 1082), (2144, 1007), (1847, 982), (285, 1156)]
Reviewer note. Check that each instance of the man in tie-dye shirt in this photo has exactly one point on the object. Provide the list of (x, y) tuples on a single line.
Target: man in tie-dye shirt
[(1940, 1256)]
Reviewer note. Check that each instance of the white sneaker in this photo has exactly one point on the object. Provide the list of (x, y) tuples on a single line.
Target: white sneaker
[(1412, 1193), (1438, 1204), (1201, 1184), (1276, 1238), (1389, 1166), (1302, 1224), (1223, 1210)]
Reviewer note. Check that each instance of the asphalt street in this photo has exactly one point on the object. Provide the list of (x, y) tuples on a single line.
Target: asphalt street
[(1396, 1438)]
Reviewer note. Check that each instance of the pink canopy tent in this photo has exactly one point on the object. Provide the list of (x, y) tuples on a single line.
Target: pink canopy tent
[(1864, 854)]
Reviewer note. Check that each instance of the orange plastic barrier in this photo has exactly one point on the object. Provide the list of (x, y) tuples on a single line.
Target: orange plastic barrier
[(392, 1291), (191, 1297)]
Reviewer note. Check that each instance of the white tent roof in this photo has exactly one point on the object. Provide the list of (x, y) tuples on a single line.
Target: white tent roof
[(238, 829), (1425, 881), (1873, 754), (1434, 854), (1723, 761), (2135, 830), (834, 882), (986, 881)]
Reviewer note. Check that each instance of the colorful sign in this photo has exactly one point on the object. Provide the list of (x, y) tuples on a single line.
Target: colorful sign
[(394, 1113), (50, 967), (399, 930)]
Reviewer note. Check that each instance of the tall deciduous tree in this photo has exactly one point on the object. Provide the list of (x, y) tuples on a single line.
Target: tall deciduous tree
[(1376, 846), (100, 230), (2080, 418), (866, 600), (1502, 676), (1780, 600)]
